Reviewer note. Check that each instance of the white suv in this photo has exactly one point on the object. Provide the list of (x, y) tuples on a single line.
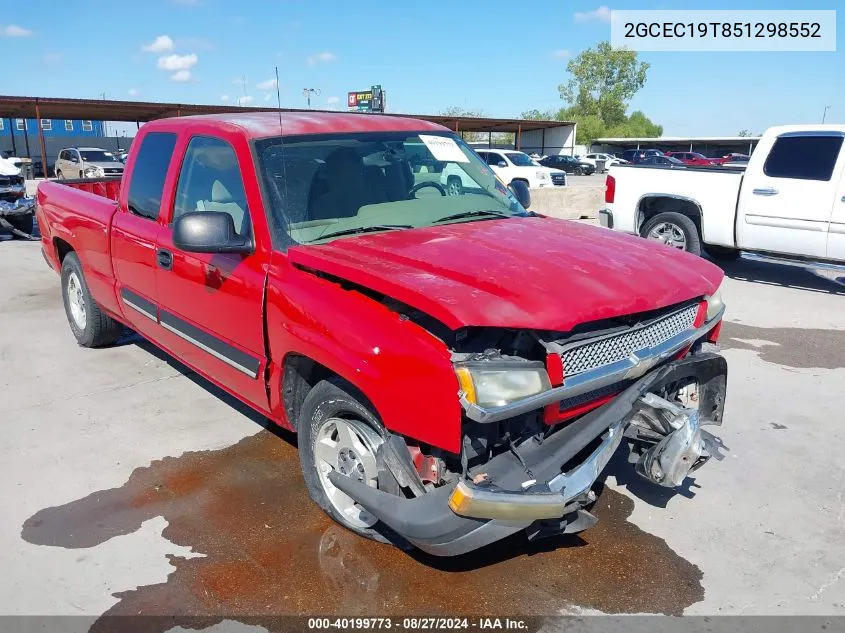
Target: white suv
[(87, 162), (609, 160), (510, 165)]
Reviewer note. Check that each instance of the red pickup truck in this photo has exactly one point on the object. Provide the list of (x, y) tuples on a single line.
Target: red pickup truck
[(458, 368)]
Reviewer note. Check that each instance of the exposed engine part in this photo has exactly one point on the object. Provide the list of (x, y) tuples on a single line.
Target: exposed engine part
[(668, 440), (429, 468)]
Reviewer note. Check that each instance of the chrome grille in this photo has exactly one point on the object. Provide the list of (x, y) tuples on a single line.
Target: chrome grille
[(559, 179), (598, 353)]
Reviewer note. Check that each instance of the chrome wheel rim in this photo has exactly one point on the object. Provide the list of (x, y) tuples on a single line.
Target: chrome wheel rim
[(347, 447), (76, 301), (453, 188), (669, 234)]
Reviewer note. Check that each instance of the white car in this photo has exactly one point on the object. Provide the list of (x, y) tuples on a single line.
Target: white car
[(510, 165), (609, 160), (787, 206)]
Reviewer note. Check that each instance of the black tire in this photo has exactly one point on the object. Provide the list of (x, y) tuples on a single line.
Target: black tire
[(60, 175), (23, 223), (334, 398), (578, 171), (99, 329), (722, 253), (454, 184), (692, 240)]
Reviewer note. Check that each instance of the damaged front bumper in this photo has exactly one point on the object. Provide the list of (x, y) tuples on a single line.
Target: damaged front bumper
[(456, 519)]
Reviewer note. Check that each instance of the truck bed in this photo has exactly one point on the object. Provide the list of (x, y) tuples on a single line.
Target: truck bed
[(80, 212)]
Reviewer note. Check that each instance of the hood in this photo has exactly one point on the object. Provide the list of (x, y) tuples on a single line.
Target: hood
[(531, 272)]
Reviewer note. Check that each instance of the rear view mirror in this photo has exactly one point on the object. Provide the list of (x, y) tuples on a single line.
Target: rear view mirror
[(209, 232), (522, 193), (501, 163)]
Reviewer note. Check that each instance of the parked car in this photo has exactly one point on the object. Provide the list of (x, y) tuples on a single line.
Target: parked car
[(734, 159), (634, 155), (318, 283), (693, 158), (786, 206), (609, 160), (569, 164), (511, 165), (87, 162), (660, 161)]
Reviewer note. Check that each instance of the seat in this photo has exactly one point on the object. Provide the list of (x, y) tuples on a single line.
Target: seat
[(223, 202)]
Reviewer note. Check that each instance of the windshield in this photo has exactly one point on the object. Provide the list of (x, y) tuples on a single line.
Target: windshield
[(323, 187), (96, 156), (520, 160)]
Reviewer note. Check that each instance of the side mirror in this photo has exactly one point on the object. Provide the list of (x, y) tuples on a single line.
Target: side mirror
[(522, 193), (501, 163), (209, 232)]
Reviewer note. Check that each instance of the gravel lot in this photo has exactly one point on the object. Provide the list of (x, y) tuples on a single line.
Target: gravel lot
[(129, 485)]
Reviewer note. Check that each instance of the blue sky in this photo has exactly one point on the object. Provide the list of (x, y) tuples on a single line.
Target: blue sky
[(496, 56)]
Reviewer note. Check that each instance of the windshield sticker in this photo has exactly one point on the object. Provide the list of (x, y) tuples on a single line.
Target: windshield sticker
[(444, 148)]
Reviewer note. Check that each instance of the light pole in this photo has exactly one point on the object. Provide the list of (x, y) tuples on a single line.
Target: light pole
[(307, 92), (824, 114)]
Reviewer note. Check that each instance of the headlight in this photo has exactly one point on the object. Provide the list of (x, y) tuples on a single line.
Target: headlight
[(93, 172), (714, 304), (541, 175), (490, 384)]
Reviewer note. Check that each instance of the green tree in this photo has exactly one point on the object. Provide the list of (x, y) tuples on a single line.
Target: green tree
[(745, 133), (457, 111), (539, 115), (603, 81)]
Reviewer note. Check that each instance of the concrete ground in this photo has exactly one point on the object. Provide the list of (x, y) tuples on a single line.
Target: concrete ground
[(129, 485)]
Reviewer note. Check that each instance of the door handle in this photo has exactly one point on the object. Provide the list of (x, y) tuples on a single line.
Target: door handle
[(765, 191), (164, 259)]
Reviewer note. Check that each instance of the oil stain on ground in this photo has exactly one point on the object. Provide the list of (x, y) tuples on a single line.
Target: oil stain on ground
[(269, 550), (790, 347)]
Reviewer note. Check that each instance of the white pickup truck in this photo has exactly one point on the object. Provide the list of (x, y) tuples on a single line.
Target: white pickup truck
[(787, 205)]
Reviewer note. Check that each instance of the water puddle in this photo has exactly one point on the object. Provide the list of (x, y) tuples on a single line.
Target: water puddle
[(269, 550)]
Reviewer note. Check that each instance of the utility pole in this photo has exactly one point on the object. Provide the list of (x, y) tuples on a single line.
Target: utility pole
[(307, 92), (105, 124), (824, 115)]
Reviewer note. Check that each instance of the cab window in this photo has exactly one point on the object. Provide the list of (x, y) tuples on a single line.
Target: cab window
[(210, 180)]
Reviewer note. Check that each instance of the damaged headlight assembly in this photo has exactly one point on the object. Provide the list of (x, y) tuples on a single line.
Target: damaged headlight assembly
[(498, 383), (714, 305)]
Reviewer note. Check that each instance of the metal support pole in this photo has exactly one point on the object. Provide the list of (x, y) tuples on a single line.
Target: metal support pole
[(490, 140), (518, 136), (12, 134), (41, 139), (543, 142)]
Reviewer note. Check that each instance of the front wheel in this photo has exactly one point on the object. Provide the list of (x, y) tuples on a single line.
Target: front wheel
[(60, 175), (90, 325), (578, 171), (675, 230), (338, 432), (454, 186)]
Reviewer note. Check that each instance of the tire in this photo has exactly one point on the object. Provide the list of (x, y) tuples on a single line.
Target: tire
[(454, 186), (91, 327), (578, 171), (60, 175), (722, 253), (334, 401), (673, 225)]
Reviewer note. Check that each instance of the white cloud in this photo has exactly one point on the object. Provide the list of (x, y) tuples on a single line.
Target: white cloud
[(51, 59), (133, 92), (561, 53), (270, 84), (181, 76), (321, 57), (13, 30), (224, 97), (178, 62), (245, 100), (602, 14), (332, 100), (161, 44)]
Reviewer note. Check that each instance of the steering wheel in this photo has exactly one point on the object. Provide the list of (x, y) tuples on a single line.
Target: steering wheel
[(427, 183)]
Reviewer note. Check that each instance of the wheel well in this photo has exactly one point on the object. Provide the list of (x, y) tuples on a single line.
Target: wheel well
[(650, 207), (300, 374), (525, 180), (62, 248)]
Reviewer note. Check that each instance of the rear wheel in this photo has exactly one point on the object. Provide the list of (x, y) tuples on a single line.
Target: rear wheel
[(454, 186), (90, 325), (673, 229), (339, 433)]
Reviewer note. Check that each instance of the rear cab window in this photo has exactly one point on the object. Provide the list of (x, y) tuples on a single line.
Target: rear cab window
[(804, 156), (146, 183)]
